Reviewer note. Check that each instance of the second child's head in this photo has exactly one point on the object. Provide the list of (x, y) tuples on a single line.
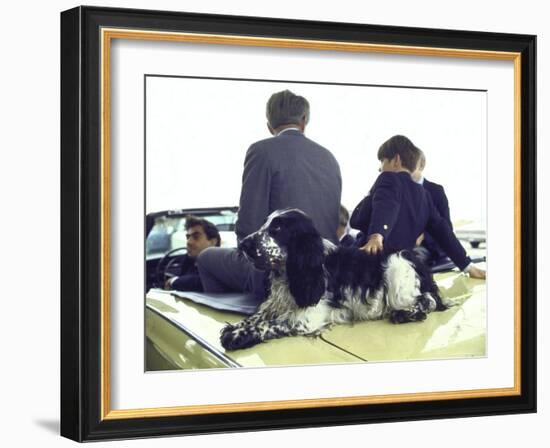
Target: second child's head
[(398, 154), (417, 174)]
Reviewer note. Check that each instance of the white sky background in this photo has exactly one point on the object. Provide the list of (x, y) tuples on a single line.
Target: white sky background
[(198, 131)]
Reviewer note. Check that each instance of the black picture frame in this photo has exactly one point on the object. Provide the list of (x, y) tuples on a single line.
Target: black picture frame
[(82, 406)]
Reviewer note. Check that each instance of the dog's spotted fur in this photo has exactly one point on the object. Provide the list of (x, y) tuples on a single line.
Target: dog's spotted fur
[(314, 284)]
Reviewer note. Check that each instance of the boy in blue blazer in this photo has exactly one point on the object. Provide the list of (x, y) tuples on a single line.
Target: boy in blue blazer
[(398, 210), (441, 203)]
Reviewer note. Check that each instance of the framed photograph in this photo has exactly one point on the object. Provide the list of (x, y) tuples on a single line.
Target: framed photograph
[(185, 136)]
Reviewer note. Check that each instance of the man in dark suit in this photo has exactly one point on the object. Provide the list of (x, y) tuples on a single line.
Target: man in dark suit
[(439, 198), (398, 210), (285, 170), (200, 234)]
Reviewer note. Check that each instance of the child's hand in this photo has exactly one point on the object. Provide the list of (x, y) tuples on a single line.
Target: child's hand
[(476, 272), (374, 244)]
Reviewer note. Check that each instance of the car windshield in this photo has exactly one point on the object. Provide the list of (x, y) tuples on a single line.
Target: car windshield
[(168, 231)]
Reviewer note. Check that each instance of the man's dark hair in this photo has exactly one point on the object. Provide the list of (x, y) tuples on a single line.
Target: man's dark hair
[(286, 108), (402, 146), (343, 216), (210, 230)]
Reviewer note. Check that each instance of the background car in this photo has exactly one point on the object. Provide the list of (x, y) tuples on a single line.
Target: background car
[(472, 233), (165, 242)]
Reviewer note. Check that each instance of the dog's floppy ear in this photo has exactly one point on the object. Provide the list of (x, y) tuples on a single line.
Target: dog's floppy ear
[(304, 268)]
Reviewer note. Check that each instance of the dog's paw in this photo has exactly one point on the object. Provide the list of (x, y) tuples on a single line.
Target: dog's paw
[(404, 316), (235, 338)]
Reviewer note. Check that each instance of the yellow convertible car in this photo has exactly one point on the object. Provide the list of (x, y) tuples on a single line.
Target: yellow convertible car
[(183, 328)]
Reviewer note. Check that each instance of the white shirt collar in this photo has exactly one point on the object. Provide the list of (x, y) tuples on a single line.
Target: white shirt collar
[(288, 129)]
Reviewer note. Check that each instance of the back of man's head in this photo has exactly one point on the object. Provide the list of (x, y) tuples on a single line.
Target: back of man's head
[(402, 146), (285, 108)]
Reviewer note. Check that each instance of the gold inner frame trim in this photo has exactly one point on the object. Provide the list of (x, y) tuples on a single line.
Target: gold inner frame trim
[(105, 242), (107, 34), (517, 222), (300, 404)]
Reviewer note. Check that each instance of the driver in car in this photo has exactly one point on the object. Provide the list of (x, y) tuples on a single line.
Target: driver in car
[(200, 234)]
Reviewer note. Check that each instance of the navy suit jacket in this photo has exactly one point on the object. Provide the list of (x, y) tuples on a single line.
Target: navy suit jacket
[(400, 210), (188, 278), (439, 199), (290, 170), (441, 203)]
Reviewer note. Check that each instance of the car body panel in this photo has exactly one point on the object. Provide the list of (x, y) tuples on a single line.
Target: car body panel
[(171, 347), (458, 332), (204, 325), (186, 334)]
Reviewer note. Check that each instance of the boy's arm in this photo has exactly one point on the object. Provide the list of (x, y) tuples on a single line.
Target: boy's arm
[(443, 205), (441, 231), (386, 201), (360, 216)]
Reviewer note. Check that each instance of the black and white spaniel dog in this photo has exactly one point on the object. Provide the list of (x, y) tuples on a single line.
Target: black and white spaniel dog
[(314, 284)]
